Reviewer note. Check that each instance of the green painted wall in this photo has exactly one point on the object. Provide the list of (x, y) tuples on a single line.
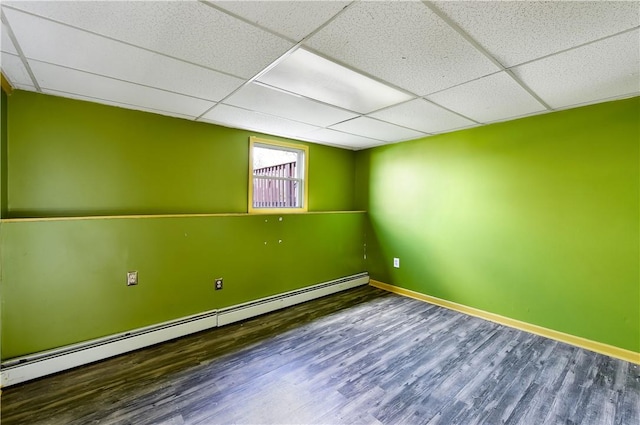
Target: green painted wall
[(74, 158), (3, 155), (535, 219), (3, 183), (64, 281)]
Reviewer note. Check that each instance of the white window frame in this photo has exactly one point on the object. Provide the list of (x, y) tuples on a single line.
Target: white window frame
[(302, 168)]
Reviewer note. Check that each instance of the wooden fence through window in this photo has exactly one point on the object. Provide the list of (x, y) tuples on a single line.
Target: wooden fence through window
[(275, 186)]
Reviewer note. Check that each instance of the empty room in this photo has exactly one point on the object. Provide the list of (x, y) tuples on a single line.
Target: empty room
[(320, 212)]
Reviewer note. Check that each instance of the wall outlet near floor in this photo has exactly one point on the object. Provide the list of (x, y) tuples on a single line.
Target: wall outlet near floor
[(218, 284), (396, 263), (132, 278)]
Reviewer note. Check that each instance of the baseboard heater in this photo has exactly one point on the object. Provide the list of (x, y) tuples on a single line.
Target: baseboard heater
[(21, 369), (265, 305)]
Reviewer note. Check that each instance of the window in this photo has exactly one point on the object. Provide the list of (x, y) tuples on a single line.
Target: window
[(277, 176)]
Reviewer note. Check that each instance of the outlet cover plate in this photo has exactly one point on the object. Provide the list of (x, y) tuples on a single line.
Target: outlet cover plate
[(132, 278), (396, 263), (218, 284)]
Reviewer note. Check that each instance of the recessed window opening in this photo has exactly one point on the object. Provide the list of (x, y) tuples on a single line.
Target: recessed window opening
[(277, 176)]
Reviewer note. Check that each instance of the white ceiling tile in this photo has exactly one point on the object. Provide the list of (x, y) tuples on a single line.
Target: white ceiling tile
[(601, 70), (62, 45), (53, 77), (231, 116), (423, 116), (404, 43), (6, 43), (313, 76), (368, 127), (518, 31), (188, 30), (118, 104), (339, 138), (275, 102), (492, 98), (25, 87), (294, 19), (15, 71)]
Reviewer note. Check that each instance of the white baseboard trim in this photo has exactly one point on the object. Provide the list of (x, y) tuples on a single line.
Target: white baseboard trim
[(595, 346), (37, 365)]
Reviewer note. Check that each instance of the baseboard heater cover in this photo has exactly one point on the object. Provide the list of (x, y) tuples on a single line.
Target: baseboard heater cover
[(37, 365), (265, 305), (15, 371)]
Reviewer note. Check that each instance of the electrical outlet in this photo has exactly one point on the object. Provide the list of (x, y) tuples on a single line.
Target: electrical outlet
[(218, 284), (396, 263), (132, 278)]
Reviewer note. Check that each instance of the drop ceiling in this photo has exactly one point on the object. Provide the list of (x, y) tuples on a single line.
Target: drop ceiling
[(350, 74)]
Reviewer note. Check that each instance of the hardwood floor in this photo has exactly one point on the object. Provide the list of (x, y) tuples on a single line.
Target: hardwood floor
[(361, 356)]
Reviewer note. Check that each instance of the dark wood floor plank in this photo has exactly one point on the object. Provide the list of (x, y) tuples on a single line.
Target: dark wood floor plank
[(363, 356)]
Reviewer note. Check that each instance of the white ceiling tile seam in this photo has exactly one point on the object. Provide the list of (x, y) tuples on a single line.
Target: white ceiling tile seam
[(315, 76), (275, 62), (246, 21), (4, 20), (482, 50), (460, 84), (121, 104), (596, 71), (578, 46), (452, 111), (529, 90), (252, 79), (124, 42), (424, 116), (401, 125), (515, 32), (594, 102), (260, 83), (404, 44), (429, 101), (121, 80), (7, 47), (276, 116), (425, 75), (462, 33), (361, 72)]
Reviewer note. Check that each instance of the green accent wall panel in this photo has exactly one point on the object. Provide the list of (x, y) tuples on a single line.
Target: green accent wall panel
[(3, 182), (65, 281), (535, 219), (3, 155), (73, 158), (331, 178)]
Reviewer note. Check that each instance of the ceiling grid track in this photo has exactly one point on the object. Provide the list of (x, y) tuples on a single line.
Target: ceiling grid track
[(361, 72), (121, 42), (428, 101), (121, 104), (125, 81), (21, 55), (597, 40), (282, 57), (482, 50), (293, 49), (352, 73), (246, 21)]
